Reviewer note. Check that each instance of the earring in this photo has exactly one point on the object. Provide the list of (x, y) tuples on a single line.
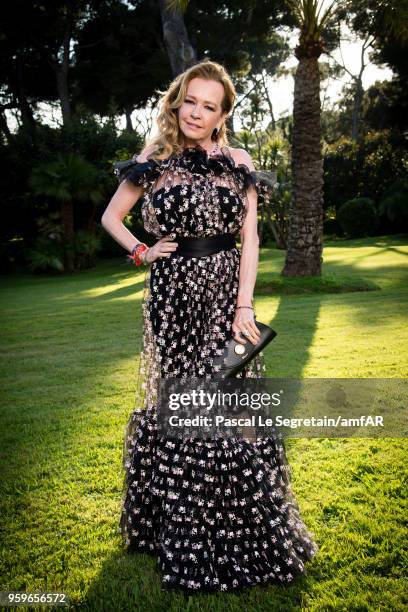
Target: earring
[(214, 135)]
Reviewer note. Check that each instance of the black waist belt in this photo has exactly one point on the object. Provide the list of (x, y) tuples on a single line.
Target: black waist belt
[(199, 247)]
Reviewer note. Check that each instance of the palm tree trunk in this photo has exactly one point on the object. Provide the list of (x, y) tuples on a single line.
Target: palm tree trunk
[(181, 53), (305, 231)]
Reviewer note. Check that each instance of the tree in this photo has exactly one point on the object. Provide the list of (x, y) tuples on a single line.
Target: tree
[(68, 179), (357, 81), (36, 43), (386, 106), (386, 21), (305, 233), (120, 60)]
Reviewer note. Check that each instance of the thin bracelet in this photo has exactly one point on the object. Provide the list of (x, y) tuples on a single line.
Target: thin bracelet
[(251, 307), (132, 252)]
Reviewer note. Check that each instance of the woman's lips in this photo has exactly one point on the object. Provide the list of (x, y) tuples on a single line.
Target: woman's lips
[(195, 127)]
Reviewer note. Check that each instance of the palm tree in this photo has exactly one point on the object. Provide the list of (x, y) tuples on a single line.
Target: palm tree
[(305, 231), (68, 179)]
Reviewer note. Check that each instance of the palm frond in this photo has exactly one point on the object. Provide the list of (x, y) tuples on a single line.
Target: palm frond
[(177, 5), (309, 16), (326, 15), (294, 6)]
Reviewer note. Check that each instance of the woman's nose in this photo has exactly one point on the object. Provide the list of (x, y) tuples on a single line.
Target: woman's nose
[(195, 112)]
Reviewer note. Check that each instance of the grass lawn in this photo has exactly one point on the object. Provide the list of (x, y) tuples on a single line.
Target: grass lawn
[(69, 355)]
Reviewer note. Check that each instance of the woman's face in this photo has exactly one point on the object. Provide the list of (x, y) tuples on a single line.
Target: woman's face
[(201, 110)]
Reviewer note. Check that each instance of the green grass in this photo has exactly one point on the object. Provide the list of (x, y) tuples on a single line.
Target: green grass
[(69, 359)]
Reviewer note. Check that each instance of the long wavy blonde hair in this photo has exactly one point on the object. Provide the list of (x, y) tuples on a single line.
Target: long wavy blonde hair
[(169, 139)]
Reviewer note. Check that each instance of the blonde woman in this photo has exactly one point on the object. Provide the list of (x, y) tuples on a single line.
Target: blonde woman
[(219, 514)]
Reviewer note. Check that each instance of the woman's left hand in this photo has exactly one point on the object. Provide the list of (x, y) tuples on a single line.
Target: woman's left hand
[(244, 327)]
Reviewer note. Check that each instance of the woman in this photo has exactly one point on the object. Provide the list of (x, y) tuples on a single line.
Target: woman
[(220, 514)]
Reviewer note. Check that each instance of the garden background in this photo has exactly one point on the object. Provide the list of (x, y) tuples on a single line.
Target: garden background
[(80, 86)]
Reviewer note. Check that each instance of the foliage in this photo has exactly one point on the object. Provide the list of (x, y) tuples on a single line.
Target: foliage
[(118, 65), (85, 246), (115, 64), (47, 253), (358, 217), (384, 107), (311, 17), (331, 227), (366, 168), (394, 203), (270, 151), (386, 21), (68, 178), (74, 160), (117, 60)]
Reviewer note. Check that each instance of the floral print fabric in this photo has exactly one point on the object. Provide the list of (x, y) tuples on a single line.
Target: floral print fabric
[(218, 513)]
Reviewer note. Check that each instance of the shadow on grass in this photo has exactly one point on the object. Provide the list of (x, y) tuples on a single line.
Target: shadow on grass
[(131, 581)]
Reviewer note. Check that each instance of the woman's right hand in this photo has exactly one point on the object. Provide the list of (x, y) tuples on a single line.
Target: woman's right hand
[(163, 248)]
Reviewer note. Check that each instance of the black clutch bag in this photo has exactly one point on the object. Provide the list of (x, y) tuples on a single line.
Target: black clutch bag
[(237, 355)]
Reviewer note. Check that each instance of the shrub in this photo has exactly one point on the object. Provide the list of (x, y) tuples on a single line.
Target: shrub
[(363, 169), (331, 227), (47, 252), (394, 203), (358, 217)]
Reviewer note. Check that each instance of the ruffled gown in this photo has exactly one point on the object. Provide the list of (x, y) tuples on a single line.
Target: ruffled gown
[(218, 513)]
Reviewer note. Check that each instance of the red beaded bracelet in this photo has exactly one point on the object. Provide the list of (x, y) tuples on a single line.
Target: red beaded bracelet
[(136, 255)]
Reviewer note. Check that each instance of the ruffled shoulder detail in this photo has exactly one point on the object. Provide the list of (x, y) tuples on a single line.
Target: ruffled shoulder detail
[(264, 181), (139, 173), (197, 161)]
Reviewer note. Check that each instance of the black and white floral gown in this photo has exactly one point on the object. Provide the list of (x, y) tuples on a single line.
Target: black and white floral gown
[(219, 513)]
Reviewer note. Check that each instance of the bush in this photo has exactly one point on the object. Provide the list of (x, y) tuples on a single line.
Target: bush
[(48, 251), (85, 138), (358, 217), (12, 255), (85, 246), (363, 169), (394, 203), (331, 227)]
